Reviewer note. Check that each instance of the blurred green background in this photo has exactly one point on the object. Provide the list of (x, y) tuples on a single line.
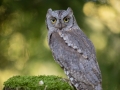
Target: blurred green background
[(23, 37)]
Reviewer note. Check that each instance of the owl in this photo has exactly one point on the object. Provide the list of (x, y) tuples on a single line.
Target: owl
[(72, 50)]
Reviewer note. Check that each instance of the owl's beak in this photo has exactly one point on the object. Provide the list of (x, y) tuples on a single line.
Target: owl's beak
[(59, 25)]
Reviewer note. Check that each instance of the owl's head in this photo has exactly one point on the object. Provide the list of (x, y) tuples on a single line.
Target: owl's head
[(60, 19)]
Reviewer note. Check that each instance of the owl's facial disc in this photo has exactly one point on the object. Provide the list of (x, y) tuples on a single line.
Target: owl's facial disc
[(60, 19)]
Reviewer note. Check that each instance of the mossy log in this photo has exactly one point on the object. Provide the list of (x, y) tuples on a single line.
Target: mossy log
[(37, 83)]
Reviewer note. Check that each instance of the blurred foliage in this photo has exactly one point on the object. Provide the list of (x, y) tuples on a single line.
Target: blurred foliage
[(23, 37)]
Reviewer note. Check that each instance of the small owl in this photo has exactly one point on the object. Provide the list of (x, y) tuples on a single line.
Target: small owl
[(73, 51)]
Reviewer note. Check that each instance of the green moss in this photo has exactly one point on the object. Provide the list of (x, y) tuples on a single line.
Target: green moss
[(33, 83)]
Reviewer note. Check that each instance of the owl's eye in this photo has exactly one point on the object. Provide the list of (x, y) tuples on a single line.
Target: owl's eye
[(66, 19), (53, 20)]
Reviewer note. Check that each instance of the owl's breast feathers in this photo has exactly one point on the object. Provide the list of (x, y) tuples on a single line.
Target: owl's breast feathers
[(76, 54)]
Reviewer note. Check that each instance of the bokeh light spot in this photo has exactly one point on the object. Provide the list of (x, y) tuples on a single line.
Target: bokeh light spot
[(98, 40), (89, 9), (106, 13)]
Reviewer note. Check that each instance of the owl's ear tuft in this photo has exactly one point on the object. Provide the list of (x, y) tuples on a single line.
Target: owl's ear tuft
[(69, 10), (49, 10)]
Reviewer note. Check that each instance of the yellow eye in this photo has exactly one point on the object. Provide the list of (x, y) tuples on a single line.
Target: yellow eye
[(53, 20), (66, 20)]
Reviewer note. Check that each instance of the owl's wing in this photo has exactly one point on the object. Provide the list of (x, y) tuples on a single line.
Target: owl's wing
[(76, 54)]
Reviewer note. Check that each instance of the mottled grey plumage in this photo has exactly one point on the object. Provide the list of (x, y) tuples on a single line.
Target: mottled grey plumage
[(73, 50)]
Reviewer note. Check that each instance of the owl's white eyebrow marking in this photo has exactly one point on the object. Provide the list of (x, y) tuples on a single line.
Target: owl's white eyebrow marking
[(59, 13), (54, 14)]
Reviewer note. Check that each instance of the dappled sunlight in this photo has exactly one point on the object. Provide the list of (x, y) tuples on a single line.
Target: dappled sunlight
[(44, 34), (46, 68), (17, 50), (94, 24), (115, 4), (17, 46), (90, 9), (6, 28), (98, 40), (105, 13), (46, 43), (110, 18), (114, 26), (6, 74)]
